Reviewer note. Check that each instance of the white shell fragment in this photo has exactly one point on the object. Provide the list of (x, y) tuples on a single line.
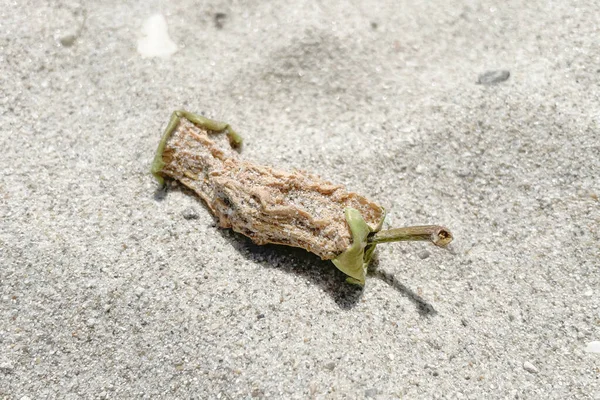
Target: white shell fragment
[(593, 347), (155, 40), (529, 367)]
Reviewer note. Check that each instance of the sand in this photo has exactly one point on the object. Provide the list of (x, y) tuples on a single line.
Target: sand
[(484, 118)]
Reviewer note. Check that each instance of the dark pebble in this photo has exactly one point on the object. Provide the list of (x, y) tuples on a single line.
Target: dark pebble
[(190, 213), (220, 20), (68, 40), (493, 77)]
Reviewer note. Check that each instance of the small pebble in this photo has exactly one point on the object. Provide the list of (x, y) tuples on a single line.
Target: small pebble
[(529, 367), (6, 367), (68, 39), (424, 254), (190, 213), (220, 20), (260, 316), (493, 77), (593, 347), (330, 366), (371, 392)]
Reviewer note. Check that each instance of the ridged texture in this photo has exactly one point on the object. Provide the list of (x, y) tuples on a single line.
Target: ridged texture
[(269, 206)]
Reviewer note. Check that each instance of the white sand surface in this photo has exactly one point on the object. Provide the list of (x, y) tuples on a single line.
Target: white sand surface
[(110, 288)]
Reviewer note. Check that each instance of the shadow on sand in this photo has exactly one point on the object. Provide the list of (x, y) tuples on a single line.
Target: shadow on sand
[(320, 272)]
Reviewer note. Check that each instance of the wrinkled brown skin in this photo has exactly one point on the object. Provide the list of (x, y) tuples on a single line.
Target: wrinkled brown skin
[(269, 206)]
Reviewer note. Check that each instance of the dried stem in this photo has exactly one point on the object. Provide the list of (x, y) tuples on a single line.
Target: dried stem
[(270, 206), (435, 234)]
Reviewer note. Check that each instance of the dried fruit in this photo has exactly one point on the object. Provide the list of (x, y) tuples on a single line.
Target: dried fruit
[(271, 206)]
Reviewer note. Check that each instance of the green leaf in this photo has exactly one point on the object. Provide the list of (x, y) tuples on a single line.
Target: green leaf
[(355, 260)]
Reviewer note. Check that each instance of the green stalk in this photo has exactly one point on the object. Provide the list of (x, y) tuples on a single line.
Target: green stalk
[(435, 234)]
